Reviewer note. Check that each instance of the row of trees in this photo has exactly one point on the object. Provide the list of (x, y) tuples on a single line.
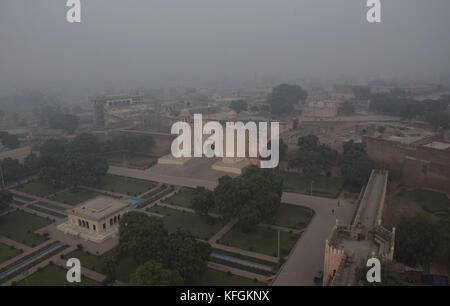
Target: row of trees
[(56, 118), (71, 163), (13, 170), (251, 197), (433, 111), (162, 258), (316, 159)]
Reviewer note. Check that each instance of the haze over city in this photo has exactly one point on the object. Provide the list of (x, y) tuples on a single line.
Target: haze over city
[(220, 43)]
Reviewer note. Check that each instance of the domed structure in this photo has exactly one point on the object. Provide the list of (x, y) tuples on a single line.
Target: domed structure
[(232, 115), (185, 115)]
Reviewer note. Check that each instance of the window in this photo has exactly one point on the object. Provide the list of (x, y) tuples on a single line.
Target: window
[(111, 221), (115, 219), (104, 226), (94, 227)]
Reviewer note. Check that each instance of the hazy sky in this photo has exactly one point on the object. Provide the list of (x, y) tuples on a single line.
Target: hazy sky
[(155, 40)]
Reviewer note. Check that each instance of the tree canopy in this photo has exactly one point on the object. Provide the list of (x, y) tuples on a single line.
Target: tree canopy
[(5, 199), (355, 164), (178, 258), (153, 273), (285, 97), (238, 105), (251, 197), (313, 158), (65, 163), (202, 201)]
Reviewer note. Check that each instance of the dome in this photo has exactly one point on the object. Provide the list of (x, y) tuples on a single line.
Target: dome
[(232, 115), (184, 113)]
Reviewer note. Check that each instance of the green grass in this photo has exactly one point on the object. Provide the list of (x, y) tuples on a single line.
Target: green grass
[(218, 278), (292, 216), (7, 252), (124, 185), (136, 161), (39, 189), (260, 240), (20, 225), (75, 196), (322, 186), (181, 198), (53, 275), (197, 225), (87, 260), (430, 201)]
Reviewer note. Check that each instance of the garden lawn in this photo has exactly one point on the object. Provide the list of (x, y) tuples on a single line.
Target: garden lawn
[(124, 185), (39, 189), (322, 186), (217, 278), (292, 216), (260, 240), (53, 275), (430, 201), (197, 225), (7, 252), (182, 198), (20, 225), (75, 196)]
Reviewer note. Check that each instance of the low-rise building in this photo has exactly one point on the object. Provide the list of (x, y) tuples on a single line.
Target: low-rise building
[(96, 219)]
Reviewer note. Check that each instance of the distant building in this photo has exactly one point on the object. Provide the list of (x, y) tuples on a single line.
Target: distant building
[(102, 103), (321, 109)]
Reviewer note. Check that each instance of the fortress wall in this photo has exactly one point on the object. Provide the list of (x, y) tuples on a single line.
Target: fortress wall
[(333, 258), (390, 152)]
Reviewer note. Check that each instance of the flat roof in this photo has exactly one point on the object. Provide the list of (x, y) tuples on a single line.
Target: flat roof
[(99, 208), (438, 145)]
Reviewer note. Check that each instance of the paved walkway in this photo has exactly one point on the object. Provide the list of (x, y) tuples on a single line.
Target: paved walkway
[(307, 257)]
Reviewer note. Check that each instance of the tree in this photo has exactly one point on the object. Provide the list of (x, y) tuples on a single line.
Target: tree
[(5, 199), (355, 164), (142, 237), (66, 122), (251, 197), (414, 243), (31, 164), (284, 97), (238, 105), (10, 141), (202, 201), (185, 254), (65, 163), (152, 273), (11, 169), (348, 108), (313, 158)]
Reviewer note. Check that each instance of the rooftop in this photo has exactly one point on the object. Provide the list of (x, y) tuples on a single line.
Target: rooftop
[(438, 145), (99, 208)]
